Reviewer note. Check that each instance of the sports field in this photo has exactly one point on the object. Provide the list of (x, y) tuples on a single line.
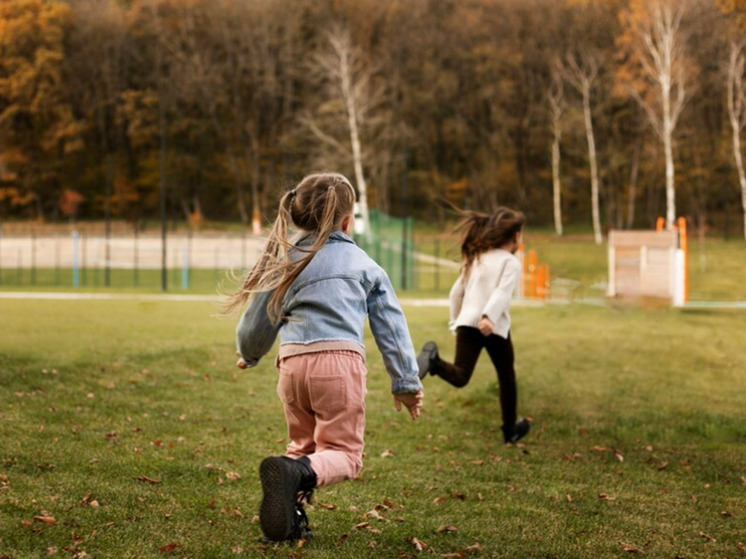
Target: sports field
[(126, 431)]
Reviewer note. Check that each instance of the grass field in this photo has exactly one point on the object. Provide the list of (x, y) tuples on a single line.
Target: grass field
[(126, 431)]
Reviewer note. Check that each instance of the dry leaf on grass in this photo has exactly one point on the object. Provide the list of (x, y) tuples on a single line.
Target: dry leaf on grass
[(476, 548), (419, 545), (445, 528), (707, 537), (631, 548), (168, 548), (45, 519), (149, 480)]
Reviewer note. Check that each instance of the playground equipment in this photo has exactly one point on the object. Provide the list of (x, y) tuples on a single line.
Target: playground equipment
[(536, 278), (650, 263)]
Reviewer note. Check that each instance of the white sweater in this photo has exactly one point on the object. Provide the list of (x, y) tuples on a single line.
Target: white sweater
[(487, 291)]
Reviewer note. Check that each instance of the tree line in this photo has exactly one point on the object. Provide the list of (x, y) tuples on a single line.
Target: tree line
[(602, 112)]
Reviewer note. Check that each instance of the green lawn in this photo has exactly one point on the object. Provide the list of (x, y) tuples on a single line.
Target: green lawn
[(127, 424)]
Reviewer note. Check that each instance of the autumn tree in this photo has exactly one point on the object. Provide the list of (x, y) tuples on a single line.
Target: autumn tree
[(658, 72), (37, 126)]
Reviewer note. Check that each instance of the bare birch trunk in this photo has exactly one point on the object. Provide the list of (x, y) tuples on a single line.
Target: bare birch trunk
[(556, 185), (593, 162), (357, 157), (736, 107), (556, 105), (668, 153)]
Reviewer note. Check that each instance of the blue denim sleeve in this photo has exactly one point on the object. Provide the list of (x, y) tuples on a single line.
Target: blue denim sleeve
[(389, 327), (256, 334)]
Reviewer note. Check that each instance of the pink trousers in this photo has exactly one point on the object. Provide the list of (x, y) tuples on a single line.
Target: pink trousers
[(323, 394)]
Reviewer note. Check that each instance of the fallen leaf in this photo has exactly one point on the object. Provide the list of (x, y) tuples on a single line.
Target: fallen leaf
[(458, 495), (51, 551), (147, 479), (362, 525), (726, 514), (663, 466), (46, 519), (168, 548), (342, 538), (233, 476), (600, 449), (631, 548), (476, 548), (741, 548), (419, 545), (373, 514), (618, 456), (387, 453), (569, 498), (605, 497), (457, 555), (328, 506), (445, 528), (708, 537)]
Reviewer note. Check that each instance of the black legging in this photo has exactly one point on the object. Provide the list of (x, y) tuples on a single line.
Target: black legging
[(469, 344)]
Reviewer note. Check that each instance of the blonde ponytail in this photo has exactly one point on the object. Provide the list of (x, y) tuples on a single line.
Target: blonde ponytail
[(317, 205)]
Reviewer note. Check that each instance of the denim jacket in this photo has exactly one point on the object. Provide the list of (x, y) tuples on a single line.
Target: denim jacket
[(329, 301)]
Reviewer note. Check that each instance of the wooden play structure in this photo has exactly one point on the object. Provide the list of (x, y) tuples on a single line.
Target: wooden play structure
[(650, 263)]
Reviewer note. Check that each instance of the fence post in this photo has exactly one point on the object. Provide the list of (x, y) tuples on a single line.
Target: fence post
[(33, 258), (76, 279), (184, 266), (57, 269)]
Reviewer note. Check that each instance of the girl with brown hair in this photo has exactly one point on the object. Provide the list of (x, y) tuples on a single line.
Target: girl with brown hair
[(315, 292), (480, 304)]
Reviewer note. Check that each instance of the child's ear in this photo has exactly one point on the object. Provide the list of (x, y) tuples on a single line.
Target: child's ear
[(345, 225)]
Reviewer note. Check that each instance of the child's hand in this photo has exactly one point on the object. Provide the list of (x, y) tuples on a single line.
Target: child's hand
[(241, 364), (485, 326), (413, 402)]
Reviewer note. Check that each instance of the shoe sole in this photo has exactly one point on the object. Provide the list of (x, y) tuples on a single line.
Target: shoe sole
[(277, 511), (424, 358)]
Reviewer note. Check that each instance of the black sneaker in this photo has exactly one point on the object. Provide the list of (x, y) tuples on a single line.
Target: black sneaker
[(281, 515), (427, 357), (517, 432)]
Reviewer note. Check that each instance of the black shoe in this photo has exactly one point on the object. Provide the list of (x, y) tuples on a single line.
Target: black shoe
[(281, 515), (516, 432), (427, 358)]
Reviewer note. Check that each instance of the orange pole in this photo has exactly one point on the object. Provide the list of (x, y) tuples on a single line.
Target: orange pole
[(547, 283), (540, 283), (532, 273), (660, 225), (684, 244), (524, 290)]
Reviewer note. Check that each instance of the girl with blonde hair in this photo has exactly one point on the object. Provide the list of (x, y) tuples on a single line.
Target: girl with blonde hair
[(315, 292)]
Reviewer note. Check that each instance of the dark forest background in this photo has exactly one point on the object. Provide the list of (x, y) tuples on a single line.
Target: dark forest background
[(223, 104)]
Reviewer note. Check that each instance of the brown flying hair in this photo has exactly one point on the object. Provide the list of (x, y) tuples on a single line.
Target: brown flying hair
[(317, 205), (483, 232)]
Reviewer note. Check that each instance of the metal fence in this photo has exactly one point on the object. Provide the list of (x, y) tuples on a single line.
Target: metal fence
[(194, 262)]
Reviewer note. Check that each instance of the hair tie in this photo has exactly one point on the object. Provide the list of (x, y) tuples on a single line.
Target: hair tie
[(292, 193)]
